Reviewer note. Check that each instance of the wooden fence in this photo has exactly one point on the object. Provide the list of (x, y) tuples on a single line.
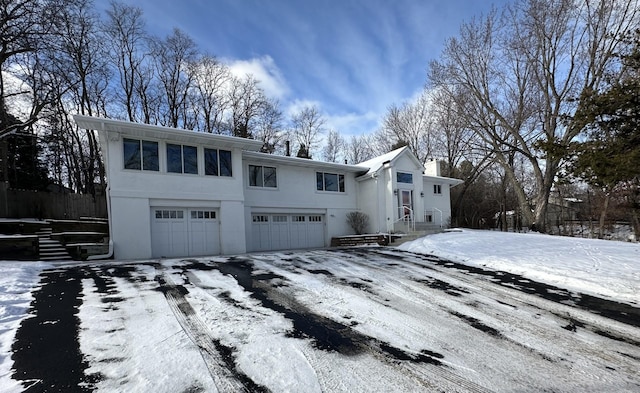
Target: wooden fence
[(38, 204)]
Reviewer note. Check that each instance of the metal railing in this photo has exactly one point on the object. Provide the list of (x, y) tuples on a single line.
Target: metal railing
[(434, 209), (406, 216)]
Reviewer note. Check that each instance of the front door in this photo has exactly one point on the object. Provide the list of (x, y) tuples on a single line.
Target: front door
[(406, 204)]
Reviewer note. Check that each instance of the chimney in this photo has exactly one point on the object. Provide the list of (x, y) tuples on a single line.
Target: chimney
[(287, 148), (432, 167)]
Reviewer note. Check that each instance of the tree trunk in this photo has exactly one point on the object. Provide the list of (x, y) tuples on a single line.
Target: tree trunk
[(603, 215)]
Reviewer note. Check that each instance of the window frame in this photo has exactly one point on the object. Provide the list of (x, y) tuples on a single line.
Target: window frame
[(263, 180), (187, 166), (321, 182), (437, 189), (223, 167), (144, 157), (404, 176)]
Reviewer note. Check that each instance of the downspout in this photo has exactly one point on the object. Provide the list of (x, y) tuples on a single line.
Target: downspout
[(109, 253)]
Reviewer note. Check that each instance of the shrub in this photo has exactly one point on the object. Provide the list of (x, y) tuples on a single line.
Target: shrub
[(358, 221)]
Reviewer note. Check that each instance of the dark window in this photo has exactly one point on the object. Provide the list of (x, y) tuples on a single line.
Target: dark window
[(437, 189), (150, 160), (190, 156), (402, 177), (225, 163), (132, 154), (217, 162), (140, 154), (329, 182), (262, 176), (211, 162), (182, 159)]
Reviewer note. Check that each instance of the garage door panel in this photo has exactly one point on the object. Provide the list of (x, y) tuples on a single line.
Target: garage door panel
[(287, 231), (178, 232)]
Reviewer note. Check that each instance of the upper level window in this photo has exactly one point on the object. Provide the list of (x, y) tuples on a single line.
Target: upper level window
[(329, 182), (262, 176), (140, 155), (217, 162), (437, 189), (182, 159), (402, 177)]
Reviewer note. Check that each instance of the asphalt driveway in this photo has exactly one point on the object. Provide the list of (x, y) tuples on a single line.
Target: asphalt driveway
[(359, 319)]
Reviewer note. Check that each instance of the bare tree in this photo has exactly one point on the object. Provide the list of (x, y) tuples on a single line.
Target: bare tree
[(411, 124), (333, 147), (358, 149), (269, 127), (26, 27), (307, 127), (128, 44), (210, 100), (173, 55), (78, 68), (520, 72), (247, 103)]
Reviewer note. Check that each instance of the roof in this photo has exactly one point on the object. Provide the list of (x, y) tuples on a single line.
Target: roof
[(442, 179), (302, 162), (375, 164), (165, 133)]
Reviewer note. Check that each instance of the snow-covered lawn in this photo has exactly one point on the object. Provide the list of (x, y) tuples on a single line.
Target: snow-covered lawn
[(601, 267), (463, 311)]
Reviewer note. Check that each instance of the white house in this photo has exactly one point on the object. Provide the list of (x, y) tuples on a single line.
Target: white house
[(174, 193)]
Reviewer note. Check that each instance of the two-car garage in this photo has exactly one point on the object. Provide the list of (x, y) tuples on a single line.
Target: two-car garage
[(181, 231), (184, 232), (283, 231)]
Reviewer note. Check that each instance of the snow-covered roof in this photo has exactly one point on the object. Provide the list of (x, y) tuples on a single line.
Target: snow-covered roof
[(375, 164)]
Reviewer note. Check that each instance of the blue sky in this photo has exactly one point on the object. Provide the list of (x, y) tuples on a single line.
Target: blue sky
[(352, 58)]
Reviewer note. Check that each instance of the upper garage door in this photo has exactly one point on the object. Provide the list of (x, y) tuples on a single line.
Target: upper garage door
[(287, 231), (180, 232)]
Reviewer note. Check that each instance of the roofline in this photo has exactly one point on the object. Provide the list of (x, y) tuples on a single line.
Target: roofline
[(161, 132), (302, 162), (450, 180)]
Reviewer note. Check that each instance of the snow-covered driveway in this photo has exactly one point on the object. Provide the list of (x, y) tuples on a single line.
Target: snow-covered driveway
[(344, 320)]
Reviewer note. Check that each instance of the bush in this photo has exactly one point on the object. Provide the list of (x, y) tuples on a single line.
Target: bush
[(358, 221)]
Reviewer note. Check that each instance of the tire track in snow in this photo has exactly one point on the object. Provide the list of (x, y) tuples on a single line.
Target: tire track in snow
[(218, 357)]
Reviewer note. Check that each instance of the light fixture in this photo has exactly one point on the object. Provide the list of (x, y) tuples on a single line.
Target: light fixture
[(422, 194), (395, 192)]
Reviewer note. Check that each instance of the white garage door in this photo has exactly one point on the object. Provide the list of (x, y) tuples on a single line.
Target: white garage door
[(180, 232), (287, 231)]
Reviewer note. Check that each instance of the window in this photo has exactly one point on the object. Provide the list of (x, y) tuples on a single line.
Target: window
[(402, 177), (279, 218), (175, 214), (203, 214), (262, 176), (260, 218), (182, 159), (329, 182), (298, 218), (437, 189), (315, 218), (140, 155), (217, 162)]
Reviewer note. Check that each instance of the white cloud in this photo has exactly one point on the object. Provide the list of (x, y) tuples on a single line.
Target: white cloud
[(265, 70)]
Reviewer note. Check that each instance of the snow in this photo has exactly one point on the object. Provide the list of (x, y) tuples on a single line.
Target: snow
[(17, 281), (405, 323), (604, 268)]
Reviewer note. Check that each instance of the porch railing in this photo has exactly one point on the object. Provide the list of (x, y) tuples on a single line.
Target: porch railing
[(406, 216)]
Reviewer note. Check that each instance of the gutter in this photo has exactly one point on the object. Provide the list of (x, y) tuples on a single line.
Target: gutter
[(109, 253)]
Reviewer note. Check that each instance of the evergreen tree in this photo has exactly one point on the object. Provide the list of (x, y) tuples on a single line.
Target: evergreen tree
[(610, 157)]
